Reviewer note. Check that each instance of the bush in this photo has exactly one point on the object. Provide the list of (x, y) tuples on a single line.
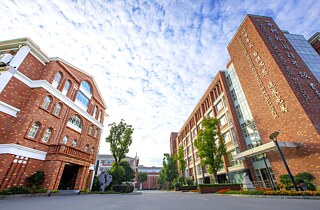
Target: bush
[(123, 188), (35, 180), (96, 184), (54, 191), (285, 179), (118, 174), (304, 177), (5, 192), (41, 190), (20, 190)]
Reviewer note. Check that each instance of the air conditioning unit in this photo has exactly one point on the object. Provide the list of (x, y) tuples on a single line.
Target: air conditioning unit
[(5, 58)]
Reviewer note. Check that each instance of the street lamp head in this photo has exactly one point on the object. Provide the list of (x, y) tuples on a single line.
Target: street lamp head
[(274, 135)]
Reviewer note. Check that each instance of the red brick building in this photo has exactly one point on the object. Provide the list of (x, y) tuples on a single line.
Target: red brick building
[(152, 181), (271, 84), (51, 118)]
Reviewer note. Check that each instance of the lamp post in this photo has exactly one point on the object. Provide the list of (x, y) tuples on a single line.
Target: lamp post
[(273, 137)]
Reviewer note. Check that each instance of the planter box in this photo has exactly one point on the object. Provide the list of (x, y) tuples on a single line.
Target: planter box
[(186, 188), (212, 188)]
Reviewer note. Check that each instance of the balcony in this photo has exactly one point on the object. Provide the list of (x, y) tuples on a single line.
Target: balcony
[(69, 151)]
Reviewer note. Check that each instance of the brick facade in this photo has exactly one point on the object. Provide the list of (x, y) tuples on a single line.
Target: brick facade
[(29, 100)]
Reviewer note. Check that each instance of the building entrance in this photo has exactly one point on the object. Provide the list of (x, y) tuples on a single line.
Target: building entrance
[(69, 176)]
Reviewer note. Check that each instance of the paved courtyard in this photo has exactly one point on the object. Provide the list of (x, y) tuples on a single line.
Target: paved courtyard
[(156, 200)]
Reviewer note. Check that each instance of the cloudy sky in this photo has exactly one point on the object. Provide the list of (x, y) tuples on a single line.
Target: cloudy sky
[(152, 59)]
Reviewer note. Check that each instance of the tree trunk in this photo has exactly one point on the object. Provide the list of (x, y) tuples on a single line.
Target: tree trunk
[(215, 174)]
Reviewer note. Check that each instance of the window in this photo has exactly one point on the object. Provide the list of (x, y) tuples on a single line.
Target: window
[(100, 114), (92, 150), (96, 133), (90, 129), (194, 132), (47, 135), (57, 109), (238, 110), (227, 137), (57, 79), (86, 148), (74, 143), (219, 106), (34, 130), (46, 102), (76, 121), (66, 87), (95, 112), (84, 94), (223, 121), (65, 140), (84, 100), (233, 95)]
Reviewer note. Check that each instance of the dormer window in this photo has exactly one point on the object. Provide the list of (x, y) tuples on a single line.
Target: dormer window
[(56, 80)]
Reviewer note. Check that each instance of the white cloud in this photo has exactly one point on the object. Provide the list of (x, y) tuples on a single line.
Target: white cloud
[(152, 60)]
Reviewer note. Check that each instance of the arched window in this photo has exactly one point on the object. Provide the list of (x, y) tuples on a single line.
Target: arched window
[(84, 94), (34, 130), (100, 113), (75, 121), (65, 140), (90, 129), (47, 135), (57, 109), (96, 132), (86, 86), (74, 143), (66, 87), (46, 102), (86, 148), (92, 150), (56, 80), (95, 112)]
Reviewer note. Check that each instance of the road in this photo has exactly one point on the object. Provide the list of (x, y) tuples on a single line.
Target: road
[(156, 200)]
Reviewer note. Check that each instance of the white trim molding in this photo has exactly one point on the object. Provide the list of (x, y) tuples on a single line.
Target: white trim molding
[(48, 87), (16, 149), (8, 109), (91, 167), (264, 148)]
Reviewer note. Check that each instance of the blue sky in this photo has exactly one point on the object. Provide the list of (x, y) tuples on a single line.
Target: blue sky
[(152, 59)]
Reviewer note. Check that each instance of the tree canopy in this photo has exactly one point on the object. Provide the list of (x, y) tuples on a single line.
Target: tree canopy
[(120, 138), (169, 172), (142, 176), (210, 145), (181, 161), (129, 172)]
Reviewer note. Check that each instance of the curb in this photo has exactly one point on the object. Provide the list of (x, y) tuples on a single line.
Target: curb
[(17, 196), (273, 196)]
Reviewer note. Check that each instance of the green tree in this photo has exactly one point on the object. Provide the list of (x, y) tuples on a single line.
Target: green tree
[(169, 172), (34, 181), (117, 173), (129, 173), (181, 163), (210, 145), (142, 177), (120, 138)]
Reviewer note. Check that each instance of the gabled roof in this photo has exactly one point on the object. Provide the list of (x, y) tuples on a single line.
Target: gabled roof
[(15, 44)]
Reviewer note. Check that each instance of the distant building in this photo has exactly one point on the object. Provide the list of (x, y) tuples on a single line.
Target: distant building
[(104, 163), (51, 118), (173, 143), (153, 174)]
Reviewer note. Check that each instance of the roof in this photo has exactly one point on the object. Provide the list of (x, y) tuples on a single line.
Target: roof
[(15, 44)]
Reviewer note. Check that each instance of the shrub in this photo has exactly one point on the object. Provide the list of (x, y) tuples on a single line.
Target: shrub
[(54, 191), (96, 184), (20, 190), (35, 180), (123, 188), (41, 190), (285, 179), (305, 177), (5, 192)]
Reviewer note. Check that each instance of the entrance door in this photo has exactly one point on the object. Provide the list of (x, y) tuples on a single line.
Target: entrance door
[(69, 176)]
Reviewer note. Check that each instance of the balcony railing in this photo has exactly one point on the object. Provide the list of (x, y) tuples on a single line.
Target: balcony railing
[(69, 151)]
